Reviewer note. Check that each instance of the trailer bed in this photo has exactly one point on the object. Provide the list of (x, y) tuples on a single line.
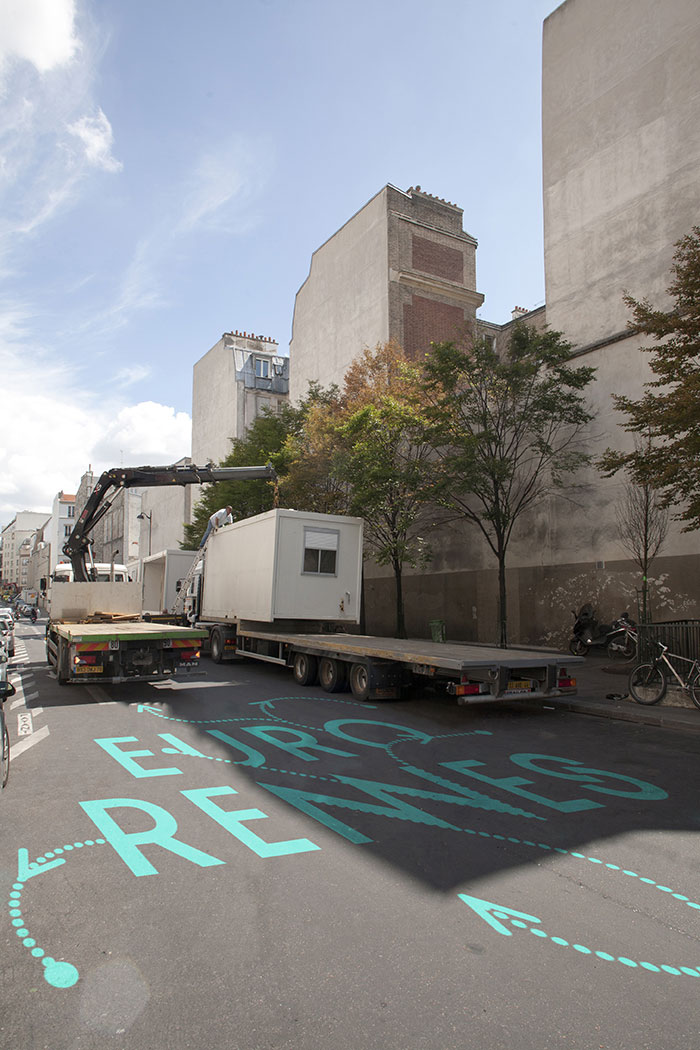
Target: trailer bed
[(451, 656), (379, 668)]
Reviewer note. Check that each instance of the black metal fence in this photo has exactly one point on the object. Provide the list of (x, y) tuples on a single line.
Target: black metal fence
[(681, 636)]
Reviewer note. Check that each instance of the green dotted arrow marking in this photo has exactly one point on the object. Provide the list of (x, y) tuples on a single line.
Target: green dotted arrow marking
[(496, 916), (57, 973)]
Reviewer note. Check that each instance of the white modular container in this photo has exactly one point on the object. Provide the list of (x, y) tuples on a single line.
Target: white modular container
[(284, 565), (161, 573)]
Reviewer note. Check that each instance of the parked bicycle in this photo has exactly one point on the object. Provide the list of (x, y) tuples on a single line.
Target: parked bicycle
[(648, 682)]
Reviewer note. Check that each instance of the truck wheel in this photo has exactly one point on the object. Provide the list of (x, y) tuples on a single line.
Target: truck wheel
[(359, 681), (217, 645), (332, 675), (305, 669)]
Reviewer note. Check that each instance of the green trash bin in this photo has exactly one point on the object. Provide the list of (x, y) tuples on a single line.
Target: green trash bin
[(437, 630)]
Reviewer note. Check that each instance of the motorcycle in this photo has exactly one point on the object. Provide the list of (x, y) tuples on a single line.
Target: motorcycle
[(619, 638)]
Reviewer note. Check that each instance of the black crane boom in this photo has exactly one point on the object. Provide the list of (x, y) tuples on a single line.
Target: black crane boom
[(78, 543)]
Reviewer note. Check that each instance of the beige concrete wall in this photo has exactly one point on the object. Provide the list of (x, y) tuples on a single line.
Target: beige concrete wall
[(621, 154), (215, 408), (227, 395), (342, 307), (540, 599)]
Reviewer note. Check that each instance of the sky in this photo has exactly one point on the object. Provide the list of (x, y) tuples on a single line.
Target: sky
[(167, 169)]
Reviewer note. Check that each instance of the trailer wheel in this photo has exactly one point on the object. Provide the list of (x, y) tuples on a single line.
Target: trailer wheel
[(217, 645), (305, 669), (359, 681), (332, 674)]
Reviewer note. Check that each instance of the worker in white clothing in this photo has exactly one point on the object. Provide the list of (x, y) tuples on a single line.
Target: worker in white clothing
[(218, 518)]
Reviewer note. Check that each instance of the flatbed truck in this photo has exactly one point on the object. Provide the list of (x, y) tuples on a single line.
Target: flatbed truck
[(96, 630), (284, 587), (109, 652)]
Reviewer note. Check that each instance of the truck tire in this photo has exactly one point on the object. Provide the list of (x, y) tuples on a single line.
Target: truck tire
[(359, 681), (305, 669), (332, 674), (217, 645)]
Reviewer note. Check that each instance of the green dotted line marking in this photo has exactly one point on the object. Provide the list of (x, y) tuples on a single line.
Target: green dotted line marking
[(57, 973), (676, 971), (582, 856)]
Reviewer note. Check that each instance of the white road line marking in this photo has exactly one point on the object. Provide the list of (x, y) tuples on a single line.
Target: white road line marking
[(17, 703), (30, 741)]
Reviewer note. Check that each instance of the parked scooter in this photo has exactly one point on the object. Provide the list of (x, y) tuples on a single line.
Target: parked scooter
[(619, 638)]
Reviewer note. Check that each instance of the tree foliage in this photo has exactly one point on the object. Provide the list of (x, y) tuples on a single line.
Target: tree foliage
[(504, 428), (360, 451), (307, 462), (669, 411), (263, 443), (385, 460)]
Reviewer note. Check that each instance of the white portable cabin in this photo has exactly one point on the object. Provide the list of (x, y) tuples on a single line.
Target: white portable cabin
[(161, 574), (284, 565)]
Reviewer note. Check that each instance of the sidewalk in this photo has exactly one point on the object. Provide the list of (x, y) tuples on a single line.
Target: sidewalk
[(597, 677)]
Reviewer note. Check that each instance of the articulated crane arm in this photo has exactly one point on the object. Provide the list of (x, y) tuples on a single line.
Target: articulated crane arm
[(78, 543)]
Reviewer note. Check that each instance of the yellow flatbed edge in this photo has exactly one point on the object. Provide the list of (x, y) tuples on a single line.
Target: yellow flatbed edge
[(125, 632)]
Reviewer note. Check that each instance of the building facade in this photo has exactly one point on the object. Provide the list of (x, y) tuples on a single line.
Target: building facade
[(237, 380), (60, 526), (402, 268), (621, 155), (16, 537)]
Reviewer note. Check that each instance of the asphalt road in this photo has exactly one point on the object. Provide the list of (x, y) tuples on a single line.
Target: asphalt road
[(235, 863)]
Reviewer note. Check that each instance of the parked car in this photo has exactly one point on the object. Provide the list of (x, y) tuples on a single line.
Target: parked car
[(7, 632)]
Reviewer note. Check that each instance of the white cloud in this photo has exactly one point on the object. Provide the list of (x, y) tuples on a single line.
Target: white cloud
[(96, 135), (131, 375), (55, 427), (41, 32), (220, 192), (145, 433), (53, 133)]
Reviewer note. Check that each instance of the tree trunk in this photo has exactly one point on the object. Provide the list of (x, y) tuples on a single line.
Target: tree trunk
[(502, 612), (400, 621)]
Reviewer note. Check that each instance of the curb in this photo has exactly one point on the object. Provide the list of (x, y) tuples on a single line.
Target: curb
[(667, 718)]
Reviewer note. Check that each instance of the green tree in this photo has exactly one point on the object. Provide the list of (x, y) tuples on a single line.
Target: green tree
[(360, 451), (669, 412), (263, 443), (385, 460), (504, 430), (306, 463)]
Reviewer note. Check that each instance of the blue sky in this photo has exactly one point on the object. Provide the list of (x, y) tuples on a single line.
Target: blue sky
[(167, 169)]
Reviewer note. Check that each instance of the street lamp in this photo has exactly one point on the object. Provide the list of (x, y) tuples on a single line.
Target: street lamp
[(141, 517)]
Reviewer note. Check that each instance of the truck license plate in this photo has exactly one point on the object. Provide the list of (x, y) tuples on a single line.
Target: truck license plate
[(89, 669), (523, 686)]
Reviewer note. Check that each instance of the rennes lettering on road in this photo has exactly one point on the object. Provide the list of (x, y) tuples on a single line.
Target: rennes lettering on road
[(391, 797), (128, 844)]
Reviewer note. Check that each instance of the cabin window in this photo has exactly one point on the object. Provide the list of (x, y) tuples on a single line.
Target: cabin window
[(320, 552)]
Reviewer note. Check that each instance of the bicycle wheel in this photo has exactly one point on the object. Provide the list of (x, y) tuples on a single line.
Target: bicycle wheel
[(647, 684), (4, 750), (622, 649), (694, 688)]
